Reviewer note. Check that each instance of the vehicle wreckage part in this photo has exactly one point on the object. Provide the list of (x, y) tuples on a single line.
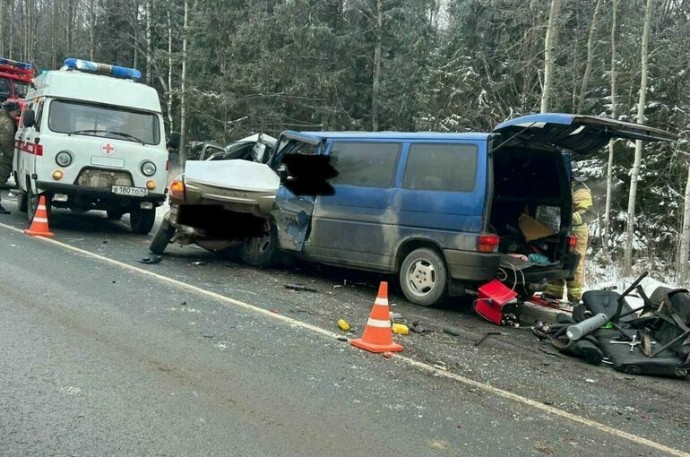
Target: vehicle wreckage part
[(577, 331), (423, 277)]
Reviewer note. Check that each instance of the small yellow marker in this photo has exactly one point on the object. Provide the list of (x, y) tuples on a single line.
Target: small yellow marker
[(400, 329)]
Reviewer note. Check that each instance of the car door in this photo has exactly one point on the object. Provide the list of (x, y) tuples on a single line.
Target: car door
[(292, 213)]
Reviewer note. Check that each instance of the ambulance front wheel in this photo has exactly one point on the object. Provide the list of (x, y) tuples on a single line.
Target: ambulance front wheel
[(32, 200), (141, 220)]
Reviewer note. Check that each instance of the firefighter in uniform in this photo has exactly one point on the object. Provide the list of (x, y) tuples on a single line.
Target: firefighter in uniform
[(582, 214), (10, 112)]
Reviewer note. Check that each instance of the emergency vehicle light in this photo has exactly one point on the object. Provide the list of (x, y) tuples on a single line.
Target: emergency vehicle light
[(14, 63), (95, 67)]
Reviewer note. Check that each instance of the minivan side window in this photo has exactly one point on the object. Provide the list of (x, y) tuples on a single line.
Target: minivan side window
[(364, 164), (433, 166)]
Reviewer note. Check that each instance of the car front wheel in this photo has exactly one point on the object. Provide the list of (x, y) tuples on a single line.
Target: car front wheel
[(162, 239), (423, 277), (261, 251)]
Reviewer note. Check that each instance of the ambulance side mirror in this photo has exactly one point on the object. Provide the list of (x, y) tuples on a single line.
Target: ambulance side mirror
[(28, 118)]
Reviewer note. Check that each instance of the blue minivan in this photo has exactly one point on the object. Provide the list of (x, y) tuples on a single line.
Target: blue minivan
[(445, 212)]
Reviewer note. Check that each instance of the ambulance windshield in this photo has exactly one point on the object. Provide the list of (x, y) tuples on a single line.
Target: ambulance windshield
[(78, 118)]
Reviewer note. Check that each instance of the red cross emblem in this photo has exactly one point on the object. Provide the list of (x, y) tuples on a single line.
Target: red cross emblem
[(108, 148)]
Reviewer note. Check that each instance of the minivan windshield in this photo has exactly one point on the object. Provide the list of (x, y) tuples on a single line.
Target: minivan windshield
[(78, 118)]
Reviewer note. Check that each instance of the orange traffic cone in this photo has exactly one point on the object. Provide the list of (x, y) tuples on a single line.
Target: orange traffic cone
[(378, 336), (39, 224)]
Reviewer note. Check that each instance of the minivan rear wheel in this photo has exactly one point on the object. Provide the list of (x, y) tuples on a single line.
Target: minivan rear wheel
[(423, 277)]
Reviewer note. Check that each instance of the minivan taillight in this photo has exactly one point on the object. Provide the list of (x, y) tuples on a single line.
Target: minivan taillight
[(572, 242), (487, 243)]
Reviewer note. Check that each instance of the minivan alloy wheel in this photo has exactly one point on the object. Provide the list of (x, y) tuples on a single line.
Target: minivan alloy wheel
[(423, 277)]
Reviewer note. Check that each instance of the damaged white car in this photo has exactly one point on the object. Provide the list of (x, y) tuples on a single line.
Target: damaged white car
[(218, 202)]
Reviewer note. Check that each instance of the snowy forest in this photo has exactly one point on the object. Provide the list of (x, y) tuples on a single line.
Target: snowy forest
[(225, 69)]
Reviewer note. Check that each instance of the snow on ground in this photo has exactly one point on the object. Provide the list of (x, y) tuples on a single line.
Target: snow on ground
[(611, 277)]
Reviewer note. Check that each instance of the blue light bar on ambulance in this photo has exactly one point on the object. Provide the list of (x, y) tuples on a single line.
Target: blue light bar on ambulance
[(14, 63), (95, 67)]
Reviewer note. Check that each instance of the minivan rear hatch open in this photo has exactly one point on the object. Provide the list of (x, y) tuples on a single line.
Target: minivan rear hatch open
[(582, 135), (531, 208)]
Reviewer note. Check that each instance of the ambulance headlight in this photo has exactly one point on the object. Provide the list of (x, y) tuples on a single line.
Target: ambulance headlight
[(63, 158), (148, 168)]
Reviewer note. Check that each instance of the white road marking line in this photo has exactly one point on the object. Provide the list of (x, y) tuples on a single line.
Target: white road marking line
[(422, 366)]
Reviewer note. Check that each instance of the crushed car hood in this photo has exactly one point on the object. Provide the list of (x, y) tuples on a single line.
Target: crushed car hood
[(238, 185), (232, 174)]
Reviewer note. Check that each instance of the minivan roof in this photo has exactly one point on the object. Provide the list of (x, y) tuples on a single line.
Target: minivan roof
[(397, 135)]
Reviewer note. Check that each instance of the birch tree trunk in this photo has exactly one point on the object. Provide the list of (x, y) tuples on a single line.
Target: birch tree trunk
[(71, 20), (183, 82), (149, 47), (609, 169), (551, 42), (685, 235), (171, 123), (375, 87), (590, 58), (2, 29), (92, 29), (627, 266)]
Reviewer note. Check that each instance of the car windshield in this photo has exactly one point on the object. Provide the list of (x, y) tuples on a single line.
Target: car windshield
[(20, 89), (76, 118)]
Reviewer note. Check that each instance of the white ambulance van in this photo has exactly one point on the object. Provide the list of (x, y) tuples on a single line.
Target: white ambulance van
[(91, 137)]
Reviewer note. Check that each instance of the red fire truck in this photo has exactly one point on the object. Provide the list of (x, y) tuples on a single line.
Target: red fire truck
[(15, 78)]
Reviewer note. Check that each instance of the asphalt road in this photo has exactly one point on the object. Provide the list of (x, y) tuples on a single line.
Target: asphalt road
[(200, 355)]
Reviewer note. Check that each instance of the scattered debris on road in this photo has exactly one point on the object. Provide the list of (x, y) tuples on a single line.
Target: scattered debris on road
[(451, 331), (299, 287), (344, 325), (486, 335), (151, 260), (400, 329)]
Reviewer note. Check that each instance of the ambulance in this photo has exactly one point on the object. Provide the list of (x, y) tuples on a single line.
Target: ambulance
[(92, 138)]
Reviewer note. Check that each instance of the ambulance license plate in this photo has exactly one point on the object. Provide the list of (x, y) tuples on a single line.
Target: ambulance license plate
[(130, 191)]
